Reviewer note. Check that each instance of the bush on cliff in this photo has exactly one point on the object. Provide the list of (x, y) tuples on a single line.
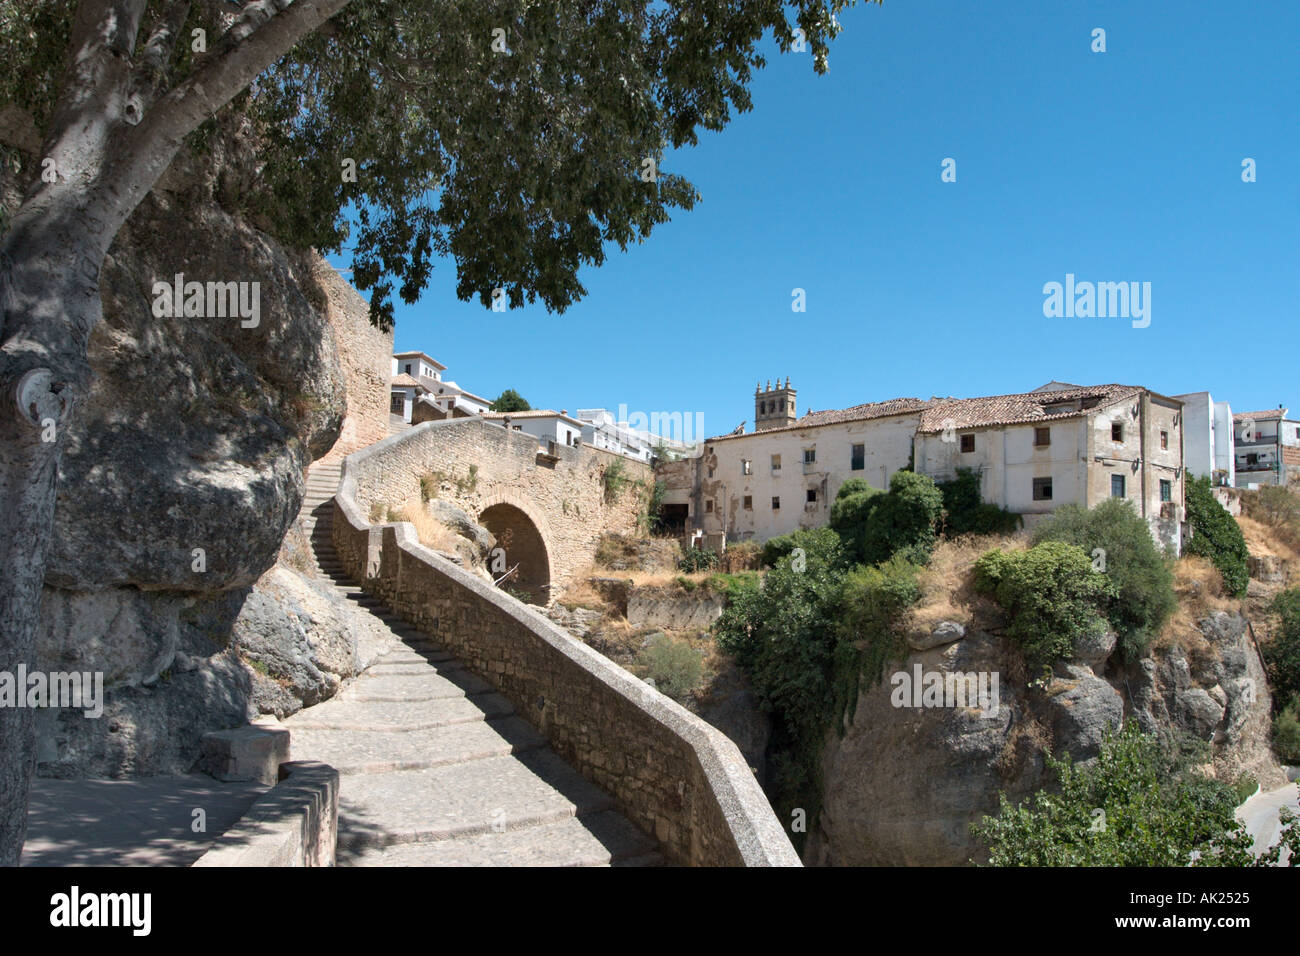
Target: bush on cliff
[(1132, 806), (1282, 652), (1114, 535), (876, 525), (1052, 596), (1216, 536)]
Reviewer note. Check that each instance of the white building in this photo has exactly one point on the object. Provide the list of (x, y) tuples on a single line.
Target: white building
[(601, 429), (544, 424), (1209, 439), (420, 394)]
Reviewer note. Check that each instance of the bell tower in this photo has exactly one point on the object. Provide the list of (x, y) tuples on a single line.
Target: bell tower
[(774, 407)]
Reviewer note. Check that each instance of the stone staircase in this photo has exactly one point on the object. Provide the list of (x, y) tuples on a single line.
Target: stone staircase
[(436, 769)]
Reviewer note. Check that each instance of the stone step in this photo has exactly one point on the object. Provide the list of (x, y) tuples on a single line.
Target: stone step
[(433, 685), (398, 716), (481, 796), (353, 751), (595, 839)]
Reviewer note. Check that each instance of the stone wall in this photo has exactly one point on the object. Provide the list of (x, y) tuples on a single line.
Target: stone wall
[(365, 354), (476, 465), (669, 771)]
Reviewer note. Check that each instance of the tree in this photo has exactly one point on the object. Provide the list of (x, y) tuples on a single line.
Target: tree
[(516, 139), (511, 401), (1135, 805), (875, 525), (1215, 535)]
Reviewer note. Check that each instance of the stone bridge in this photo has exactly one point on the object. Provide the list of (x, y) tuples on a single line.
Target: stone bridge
[(546, 506)]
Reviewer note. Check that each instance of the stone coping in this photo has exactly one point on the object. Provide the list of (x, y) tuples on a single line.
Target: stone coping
[(295, 823), (669, 771)]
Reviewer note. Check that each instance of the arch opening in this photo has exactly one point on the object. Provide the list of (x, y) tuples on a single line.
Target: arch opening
[(522, 557)]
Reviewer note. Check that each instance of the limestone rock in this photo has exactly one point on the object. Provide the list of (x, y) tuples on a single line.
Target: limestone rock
[(945, 632), (1094, 648), (1082, 708)]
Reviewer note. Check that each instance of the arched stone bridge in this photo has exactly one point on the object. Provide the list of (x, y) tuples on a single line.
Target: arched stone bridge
[(546, 507)]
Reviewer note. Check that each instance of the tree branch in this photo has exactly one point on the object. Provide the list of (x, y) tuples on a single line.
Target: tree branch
[(156, 61)]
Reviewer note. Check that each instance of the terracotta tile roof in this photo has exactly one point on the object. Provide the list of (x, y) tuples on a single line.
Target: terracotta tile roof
[(405, 381), (895, 406), (1020, 408), (534, 413), (1264, 416)]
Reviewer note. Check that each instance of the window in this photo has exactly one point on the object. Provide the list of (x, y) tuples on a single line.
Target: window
[(1164, 439), (746, 466), (1042, 436), (398, 405), (1042, 489), (1117, 486), (967, 443), (708, 506), (749, 502), (776, 462), (1117, 433), (776, 502), (408, 368), (812, 496), (1166, 490), (859, 458), (809, 456)]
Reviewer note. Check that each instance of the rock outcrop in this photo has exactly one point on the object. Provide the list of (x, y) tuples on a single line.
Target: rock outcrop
[(903, 785), (183, 472)]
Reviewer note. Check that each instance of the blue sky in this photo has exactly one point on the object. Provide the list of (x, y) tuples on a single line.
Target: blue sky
[(1115, 166)]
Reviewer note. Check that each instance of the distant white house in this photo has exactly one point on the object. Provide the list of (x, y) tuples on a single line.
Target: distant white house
[(1209, 439), (544, 424), (1267, 448), (419, 392), (601, 429)]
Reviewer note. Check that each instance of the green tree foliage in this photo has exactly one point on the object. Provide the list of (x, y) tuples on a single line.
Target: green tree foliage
[(1216, 536), (1052, 597), (519, 155), (1286, 733), (1282, 653), (903, 520), (698, 559), (872, 604), (1132, 806), (1143, 583), (965, 512), (510, 401)]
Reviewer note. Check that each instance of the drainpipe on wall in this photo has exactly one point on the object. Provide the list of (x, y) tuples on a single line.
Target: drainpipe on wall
[(1143, 409)]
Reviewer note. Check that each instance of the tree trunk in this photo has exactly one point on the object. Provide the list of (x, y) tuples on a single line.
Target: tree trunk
[(112, 135)]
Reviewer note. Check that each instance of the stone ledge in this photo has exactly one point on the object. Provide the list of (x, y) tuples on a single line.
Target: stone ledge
[(254, 752), (294, 824)]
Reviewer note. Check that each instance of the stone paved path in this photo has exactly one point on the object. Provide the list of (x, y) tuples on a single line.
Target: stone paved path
[(436, 768)]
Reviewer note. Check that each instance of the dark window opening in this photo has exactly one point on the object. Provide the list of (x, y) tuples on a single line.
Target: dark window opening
[(859, 458), (1042, 436), (1116, 431), (967, 443), (1042, 489), (749, 502), (812, 496), (776, 502), (1166, 490), (1117, 486)]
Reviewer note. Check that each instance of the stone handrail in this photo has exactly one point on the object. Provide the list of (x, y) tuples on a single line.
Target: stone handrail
[(670, 772)]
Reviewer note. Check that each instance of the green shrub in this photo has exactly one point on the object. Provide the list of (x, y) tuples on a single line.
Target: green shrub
[(814, 539), (873, 602), (1129, 807), (675, 666), (428, 487), (875, 525), (853, 486), (1216, 536), (965, 512), (1286, 733), (1245, 787), (1052, 596), (698, 559), (1282, 653), (1139, 571), (615, 478)]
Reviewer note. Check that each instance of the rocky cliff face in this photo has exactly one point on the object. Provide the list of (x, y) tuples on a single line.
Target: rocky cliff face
[(903, 785), (183, 472)]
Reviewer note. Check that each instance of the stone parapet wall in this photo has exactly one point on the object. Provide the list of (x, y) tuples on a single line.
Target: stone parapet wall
[(669, 771)]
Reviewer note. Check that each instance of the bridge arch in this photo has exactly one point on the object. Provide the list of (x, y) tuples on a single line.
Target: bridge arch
[(523, 534)]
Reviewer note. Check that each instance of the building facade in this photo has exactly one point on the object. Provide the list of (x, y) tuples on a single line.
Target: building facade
[(1033, 452), (1209, 438), (1267, 448), (543, 424)]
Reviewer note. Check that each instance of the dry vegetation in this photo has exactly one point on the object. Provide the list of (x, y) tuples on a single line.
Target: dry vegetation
[(947, 583), (431, 532)]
